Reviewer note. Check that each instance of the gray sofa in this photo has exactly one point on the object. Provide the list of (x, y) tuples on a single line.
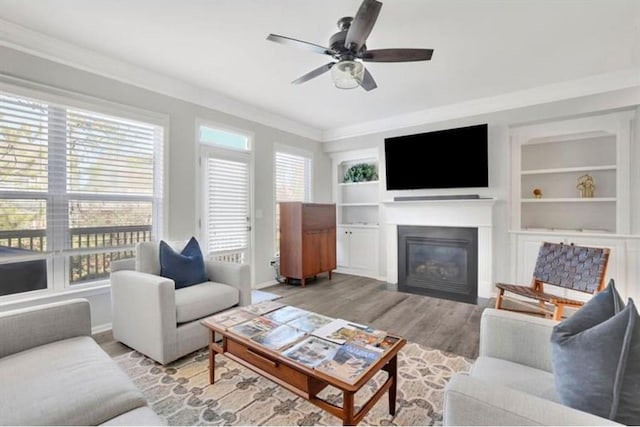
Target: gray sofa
[(162, 322), (511, 382), (53, 373)]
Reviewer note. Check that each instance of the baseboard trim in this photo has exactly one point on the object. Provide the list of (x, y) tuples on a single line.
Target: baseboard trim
[(361, 273), (100, 328), (265, 284)]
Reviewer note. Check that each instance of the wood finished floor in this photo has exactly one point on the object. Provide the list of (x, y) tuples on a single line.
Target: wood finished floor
[(431, 322)]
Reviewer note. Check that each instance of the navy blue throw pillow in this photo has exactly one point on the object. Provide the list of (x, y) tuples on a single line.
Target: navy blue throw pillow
[(185, 268), (596, 358)]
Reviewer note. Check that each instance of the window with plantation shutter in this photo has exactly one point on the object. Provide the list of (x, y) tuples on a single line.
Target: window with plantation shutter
[(106, 155), (227, 205), (292, 182), (225, 164), (78, 187)]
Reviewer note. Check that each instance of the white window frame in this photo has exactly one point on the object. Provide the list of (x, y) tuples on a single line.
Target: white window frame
[(296, 151), (57, 276)]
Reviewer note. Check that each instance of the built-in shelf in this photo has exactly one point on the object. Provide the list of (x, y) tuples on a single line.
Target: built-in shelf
[(555, 158), (358, 183), (569, 170), (357, 214), (571, 200), (357, 204), (550, 159)]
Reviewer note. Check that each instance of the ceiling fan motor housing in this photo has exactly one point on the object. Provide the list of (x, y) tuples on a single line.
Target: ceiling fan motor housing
[(337, 41)]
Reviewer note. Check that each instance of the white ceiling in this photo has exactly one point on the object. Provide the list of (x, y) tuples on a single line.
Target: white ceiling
[(482, 48)]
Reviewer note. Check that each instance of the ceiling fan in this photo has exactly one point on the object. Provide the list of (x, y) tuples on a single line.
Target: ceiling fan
[(349, 51)]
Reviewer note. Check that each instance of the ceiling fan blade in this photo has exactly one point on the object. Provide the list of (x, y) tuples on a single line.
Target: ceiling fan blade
[(299, 43), (312, 74), (367, 81), (397, 55), (362, 24)]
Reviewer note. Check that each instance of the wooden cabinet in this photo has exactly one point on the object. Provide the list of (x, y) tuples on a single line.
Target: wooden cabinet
[(307, 239)]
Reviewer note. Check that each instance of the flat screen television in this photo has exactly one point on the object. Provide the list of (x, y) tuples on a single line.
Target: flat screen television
[(450, 158)]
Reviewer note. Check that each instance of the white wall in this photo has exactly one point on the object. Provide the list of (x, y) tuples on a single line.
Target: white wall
[(499, 169), (181, 153)]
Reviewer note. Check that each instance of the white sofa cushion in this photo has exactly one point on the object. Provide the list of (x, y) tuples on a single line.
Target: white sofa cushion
[(67, 382), (513, 375), (197, 301)]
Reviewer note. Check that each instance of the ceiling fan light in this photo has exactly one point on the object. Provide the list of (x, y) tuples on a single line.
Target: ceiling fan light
[(347, 74)]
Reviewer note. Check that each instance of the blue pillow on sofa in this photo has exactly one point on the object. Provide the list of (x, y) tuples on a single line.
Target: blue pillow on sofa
[(596, 358), (185, 268)]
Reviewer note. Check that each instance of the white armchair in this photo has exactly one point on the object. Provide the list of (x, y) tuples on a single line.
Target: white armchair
[(152, 317), (511, 382)]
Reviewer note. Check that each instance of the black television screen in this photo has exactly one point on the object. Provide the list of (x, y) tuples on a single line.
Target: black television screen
[(451, 158)]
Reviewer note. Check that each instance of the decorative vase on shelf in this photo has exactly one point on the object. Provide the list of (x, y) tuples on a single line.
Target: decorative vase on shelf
[(537, 193), (586, 186)]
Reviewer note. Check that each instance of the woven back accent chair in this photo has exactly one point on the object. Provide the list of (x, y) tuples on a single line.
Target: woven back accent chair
[(579, 268)]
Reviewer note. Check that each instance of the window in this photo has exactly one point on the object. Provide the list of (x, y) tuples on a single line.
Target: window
[(77, 188), (225, 163), (224, 139), (292, 182)]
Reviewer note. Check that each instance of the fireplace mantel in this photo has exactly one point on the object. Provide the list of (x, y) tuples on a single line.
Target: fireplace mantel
[(476, 213)]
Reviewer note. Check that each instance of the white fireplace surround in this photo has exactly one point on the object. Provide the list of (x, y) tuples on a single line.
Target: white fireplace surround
[(476, 213)]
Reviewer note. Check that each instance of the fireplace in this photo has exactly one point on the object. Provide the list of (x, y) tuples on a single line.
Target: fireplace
[(470, 213), (439, 261)]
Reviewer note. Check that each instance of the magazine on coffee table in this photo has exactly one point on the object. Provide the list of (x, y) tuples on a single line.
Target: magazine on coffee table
[(350, 362), (286, 314), (231, 317), (341, 331), (263, 307), (278, 338), (310, 322), (387, 342), (312, 351), (367, 339), (329, 331), (254, 327)]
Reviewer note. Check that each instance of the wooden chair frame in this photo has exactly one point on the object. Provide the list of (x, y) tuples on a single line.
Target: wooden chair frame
[(550, 255)]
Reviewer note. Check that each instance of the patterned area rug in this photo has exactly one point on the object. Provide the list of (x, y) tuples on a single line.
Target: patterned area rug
[(181, 394)]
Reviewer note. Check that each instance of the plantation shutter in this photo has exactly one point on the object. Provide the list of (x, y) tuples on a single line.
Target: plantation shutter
[(107, 155), (227, 209), (24, 136), (293, 181), (23, 144), (109, 180)]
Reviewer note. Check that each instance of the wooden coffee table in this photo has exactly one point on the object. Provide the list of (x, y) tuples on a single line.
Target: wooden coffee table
[(302, 380)]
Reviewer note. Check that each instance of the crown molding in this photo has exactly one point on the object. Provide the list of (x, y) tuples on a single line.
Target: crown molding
[(35, 43), (591, 85)]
